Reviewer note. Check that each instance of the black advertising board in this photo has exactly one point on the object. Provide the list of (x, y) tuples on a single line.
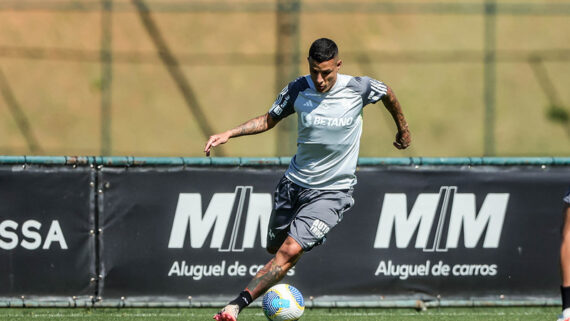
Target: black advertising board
[(457, 232), (451, 232), (172, 232), (47, 243)]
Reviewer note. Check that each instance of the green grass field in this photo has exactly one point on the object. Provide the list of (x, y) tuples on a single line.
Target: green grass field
[(255, 314)]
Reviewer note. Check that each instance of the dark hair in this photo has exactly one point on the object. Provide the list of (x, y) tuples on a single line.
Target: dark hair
[(323, 49)]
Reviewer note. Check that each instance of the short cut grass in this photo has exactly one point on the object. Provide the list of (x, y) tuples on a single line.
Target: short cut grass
[(255, 314)]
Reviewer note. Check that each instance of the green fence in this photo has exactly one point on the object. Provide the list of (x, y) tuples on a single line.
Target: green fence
[(277, 161)]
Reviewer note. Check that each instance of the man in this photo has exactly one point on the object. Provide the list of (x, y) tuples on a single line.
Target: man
[(316, 189), (565, 260)]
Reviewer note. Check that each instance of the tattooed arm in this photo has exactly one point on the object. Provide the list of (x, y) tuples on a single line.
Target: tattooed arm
[(403, 137), (253, 126)]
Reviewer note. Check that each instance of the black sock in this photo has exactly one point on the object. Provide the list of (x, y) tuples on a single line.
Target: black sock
[(244, 299), (565, 290)]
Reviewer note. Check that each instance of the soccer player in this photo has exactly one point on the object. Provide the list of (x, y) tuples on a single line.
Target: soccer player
[(316, 189), (565, 260)]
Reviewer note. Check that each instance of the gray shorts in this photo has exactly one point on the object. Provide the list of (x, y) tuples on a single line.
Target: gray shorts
[(305, 214)]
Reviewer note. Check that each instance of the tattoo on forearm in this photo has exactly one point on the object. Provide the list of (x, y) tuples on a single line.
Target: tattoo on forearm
[(253, 126), (393, 106), (399, 117)]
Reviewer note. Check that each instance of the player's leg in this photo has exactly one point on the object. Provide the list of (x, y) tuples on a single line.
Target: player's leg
[(285, 207), (306, 216), (285, 258), (565, 265), (286, 252), (317, 213), (322, 210)]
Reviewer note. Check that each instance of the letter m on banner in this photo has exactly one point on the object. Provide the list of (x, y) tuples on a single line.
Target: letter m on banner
[(234, 218), (434, 214)]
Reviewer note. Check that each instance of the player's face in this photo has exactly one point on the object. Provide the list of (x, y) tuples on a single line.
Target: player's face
[(324, 73)]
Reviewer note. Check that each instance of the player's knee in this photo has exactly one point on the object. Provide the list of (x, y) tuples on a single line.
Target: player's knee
[(290, 251)]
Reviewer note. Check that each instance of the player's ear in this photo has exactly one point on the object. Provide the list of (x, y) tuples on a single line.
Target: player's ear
[(339, 63)]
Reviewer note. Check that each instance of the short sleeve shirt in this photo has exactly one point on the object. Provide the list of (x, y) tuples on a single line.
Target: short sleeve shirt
[(329, 128)]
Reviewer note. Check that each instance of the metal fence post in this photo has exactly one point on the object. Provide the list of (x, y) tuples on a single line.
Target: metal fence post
[(489, 78), (106, 75), (287, 57)]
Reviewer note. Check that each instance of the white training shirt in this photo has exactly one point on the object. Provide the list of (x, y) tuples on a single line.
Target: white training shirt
[(329, 128)]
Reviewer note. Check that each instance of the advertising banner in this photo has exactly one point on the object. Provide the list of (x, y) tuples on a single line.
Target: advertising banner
[(183, 232), (450, 232), (47, 243), (454, 232)]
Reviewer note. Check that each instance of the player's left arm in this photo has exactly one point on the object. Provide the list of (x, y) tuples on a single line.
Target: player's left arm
[(403, 137)]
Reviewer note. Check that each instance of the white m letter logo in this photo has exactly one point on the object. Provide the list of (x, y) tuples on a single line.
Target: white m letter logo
[(491, 215), (394, 214), (454, 212), (223, 207)]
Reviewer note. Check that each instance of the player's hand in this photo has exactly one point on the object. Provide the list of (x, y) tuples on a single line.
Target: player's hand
[(214, 141), (403, 139)]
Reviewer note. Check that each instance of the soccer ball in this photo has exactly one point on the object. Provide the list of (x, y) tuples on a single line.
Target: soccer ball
[(283, 302)]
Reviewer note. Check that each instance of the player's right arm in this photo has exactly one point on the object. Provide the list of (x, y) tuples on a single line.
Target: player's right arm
[(253, 126), (281, 108)]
